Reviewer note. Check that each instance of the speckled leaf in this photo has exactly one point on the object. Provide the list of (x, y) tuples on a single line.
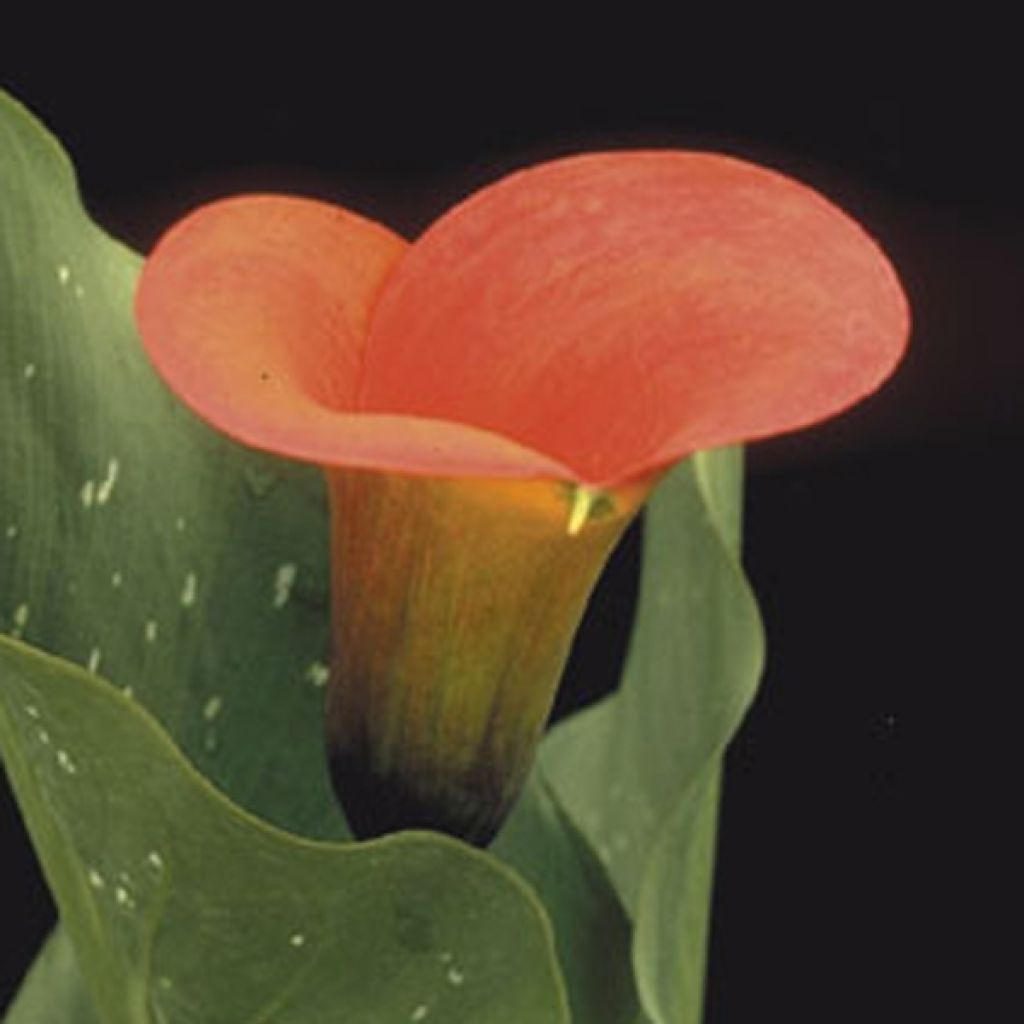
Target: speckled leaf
[(135, 541), (188, 571), (189, 909), (639, 772)]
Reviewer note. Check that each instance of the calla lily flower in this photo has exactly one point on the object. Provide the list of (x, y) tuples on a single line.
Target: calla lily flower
[(492, 404)]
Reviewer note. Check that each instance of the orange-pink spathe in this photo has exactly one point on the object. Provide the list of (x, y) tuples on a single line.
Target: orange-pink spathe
[(591, 319)]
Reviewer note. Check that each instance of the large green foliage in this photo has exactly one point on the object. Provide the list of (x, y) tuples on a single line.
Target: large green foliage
[(183, 907), (166, 751)]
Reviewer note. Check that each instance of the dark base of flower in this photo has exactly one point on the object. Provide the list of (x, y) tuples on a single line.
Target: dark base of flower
[(375, 805)]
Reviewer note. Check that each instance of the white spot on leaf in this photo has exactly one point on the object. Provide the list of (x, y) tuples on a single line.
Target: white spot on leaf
[(212, 708), (283, 583), (96, 879), (124, 898), (420, 1013), (318, 674), (65, 762), (455, 976), (179, 524), (155, 860), (11, 532), (63, 273), (106, 486), (190, 590), (30, 371), (95, 657), (32, 711), (298, 939), (20, 618), (116, 580), (88, 493), (151, 631)]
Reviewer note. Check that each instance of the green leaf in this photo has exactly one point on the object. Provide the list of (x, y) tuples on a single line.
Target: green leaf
[(592, 929), (182, 906), (638, 773), (674, 906), (54, 989), (192, 574), (133, 539)]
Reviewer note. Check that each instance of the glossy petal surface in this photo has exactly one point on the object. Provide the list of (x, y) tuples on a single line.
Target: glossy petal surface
[(591, 318), (620, 311)]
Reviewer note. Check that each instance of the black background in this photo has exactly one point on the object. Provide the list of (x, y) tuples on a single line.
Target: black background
[(877, 543)]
